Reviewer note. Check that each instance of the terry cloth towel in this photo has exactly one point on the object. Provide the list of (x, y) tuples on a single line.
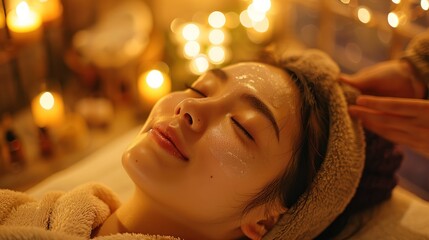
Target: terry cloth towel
[(339, 175), (59, 215)]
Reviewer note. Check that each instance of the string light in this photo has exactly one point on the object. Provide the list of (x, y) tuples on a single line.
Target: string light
[(402, 11), (191, 49), (364, 15), (199, 64), (216, 54), (262, 5), (261, 26), (191, 32), (217, 19), (424, 4), (216, 36), (393, 19), (211, 35), (255, 14), (232, 20), (245, 19)]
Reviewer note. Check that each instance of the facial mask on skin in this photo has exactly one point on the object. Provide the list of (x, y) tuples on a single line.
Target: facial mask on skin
[(232, 157), (261, 73)]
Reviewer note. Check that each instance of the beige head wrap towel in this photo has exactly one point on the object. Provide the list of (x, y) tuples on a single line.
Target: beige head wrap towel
[(339, 175)]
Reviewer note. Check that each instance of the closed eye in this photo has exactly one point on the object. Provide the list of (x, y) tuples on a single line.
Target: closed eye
[(195, 90), (236, 123)]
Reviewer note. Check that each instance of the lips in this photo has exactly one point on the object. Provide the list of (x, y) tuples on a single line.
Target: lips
[(167, 139)]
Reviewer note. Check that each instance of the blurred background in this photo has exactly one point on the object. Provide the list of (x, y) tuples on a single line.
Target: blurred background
[(76, 74)]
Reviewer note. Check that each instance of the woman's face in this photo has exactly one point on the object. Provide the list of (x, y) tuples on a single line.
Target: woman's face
[(203, 153)]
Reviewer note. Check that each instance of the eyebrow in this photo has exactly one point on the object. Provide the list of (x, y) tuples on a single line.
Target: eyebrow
[(261, 107), (252, 100)]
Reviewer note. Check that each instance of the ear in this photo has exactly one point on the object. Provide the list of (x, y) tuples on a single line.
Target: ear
[(258, 221)]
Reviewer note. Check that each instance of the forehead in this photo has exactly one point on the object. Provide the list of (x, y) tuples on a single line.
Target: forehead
[(272, 83)]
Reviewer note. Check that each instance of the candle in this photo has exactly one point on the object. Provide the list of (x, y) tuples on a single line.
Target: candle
[(47, 109), (152, 85), (50, 10), (24, 23)]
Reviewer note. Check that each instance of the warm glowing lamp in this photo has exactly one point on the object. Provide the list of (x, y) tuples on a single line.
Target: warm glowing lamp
[(153, 85), (24, 23), (47, 109)]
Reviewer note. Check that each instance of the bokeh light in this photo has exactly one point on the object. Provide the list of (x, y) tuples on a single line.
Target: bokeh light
[(261, 26), (47, 101), (262, 5), (199, 64), (154, 79), (191, 49), (424, 4), (232, 20), (393, 19), (245, 20), (255, 14), (191, 32), (364, 15), (217, 19), (216, 54), (216, 36)]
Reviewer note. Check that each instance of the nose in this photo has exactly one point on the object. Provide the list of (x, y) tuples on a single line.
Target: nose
[(192, 113)]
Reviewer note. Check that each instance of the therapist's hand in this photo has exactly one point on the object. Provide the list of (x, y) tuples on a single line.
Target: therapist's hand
[(400, 120), (395, 78)]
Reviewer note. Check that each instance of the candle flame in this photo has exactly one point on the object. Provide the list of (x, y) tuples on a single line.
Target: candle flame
[(47, 101), (22, 9), (154, 79)]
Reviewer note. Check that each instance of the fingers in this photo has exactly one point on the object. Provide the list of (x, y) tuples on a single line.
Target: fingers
[(396, 106), (372, 119), (398, 129), (365, 85), (351, 81)]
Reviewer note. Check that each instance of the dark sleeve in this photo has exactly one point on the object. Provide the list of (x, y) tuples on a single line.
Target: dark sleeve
[(382, 160), (417, 54)]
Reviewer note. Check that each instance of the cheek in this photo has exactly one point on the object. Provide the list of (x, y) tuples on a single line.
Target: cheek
[(228, 153)]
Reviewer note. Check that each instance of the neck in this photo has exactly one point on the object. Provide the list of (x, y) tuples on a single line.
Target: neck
[(141, 215)]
